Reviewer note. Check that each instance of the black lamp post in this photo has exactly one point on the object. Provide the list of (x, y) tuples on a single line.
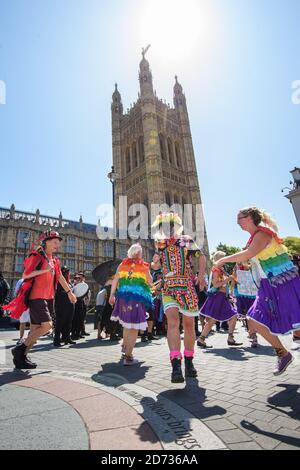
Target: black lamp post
[(26, 242), (113, 178)]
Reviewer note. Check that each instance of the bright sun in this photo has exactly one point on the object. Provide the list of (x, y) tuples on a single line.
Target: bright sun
[(174, 27)]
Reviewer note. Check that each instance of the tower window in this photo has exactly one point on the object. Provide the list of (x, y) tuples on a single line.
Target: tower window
[(178, 156), (162, 147), (128, 161), (170, 151), (168, 199), (134, 156), (141, 149)]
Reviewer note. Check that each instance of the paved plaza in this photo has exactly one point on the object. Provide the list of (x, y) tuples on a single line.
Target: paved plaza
[(82, 397)]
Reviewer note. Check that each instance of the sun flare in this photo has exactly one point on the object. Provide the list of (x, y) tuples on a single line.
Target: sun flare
[(174, 27)]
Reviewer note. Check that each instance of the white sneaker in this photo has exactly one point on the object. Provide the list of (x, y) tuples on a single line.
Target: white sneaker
[(295, 344)]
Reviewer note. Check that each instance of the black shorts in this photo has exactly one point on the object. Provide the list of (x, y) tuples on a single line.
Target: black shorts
[(151, 315), (41, 311)]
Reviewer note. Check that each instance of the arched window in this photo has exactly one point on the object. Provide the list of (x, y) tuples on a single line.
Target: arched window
[(128, 161), (170, 151), (134, 156), (141, 149), (178, 156), (162, 147), (168, 199)]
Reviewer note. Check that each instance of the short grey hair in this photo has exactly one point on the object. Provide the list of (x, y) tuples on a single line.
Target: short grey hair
[(134, 250)]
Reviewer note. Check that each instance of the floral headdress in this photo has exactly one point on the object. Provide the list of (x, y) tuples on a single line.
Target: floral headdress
[(166, 217)]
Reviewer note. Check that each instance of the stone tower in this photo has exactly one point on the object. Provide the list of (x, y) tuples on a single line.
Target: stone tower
[(153, 152)]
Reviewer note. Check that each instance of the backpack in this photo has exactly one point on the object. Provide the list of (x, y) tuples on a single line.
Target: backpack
[(21, 302)]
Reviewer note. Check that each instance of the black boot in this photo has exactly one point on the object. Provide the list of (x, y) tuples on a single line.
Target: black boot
[(19, 352), (69, 341), (151, 337), (176, 376), (144, 337), (190, 370), (23, 363)]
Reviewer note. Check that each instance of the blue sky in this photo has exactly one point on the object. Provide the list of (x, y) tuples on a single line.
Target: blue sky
[(236, 60)]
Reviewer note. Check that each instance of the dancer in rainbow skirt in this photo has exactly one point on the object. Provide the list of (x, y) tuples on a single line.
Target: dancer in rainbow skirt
[(276, 310), (217, 306), (133, 298)]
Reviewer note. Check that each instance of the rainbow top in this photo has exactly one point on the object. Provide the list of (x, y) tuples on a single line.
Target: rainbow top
[(274, 263), (133, 284)]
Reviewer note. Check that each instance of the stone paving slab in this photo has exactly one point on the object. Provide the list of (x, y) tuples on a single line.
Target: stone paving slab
[(101, 415), (54, 425)]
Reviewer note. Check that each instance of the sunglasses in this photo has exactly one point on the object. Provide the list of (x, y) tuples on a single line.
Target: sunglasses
[(243, 217)]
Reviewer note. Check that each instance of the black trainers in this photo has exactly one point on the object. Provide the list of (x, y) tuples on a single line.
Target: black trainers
[(176, 376), (190, 370)]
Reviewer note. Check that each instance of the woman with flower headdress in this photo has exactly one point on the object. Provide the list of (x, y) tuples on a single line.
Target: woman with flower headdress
[(276, 310), (178, 291)]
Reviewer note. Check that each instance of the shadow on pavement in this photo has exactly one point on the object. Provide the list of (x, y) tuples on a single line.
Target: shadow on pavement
[(239, 353), (289, 397), (284, 438)]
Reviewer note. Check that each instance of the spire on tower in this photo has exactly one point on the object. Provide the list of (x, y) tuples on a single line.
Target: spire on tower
[(179, 98), (145, 75), (117, 105)]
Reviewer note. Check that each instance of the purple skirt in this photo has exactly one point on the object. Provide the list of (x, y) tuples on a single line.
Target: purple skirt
[(218, 307), (131, 315), (243, 304), (278, 308)]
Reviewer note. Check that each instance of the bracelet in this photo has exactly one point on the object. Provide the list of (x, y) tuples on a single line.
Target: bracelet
[(68, 291)]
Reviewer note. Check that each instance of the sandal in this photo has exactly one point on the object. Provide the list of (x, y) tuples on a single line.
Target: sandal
[(232, 341), (202, 344)]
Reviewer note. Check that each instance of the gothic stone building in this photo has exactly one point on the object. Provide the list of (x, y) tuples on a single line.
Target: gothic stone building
[(153, 152), (81, 249)]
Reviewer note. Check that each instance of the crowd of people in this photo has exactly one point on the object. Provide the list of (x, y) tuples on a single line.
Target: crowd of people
[(169, 296)]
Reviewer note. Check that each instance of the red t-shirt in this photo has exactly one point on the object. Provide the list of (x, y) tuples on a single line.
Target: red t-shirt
[(43, 286)]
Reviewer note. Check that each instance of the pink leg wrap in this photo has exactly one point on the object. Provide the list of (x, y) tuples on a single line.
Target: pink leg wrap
[(175, 355), (188, 353)]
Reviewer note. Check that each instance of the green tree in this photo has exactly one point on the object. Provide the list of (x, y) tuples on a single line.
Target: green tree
[(293, 245), (229, 250)]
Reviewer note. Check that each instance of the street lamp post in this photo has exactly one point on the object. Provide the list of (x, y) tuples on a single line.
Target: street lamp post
[(26, 241), (294, 193), (113, 177)]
